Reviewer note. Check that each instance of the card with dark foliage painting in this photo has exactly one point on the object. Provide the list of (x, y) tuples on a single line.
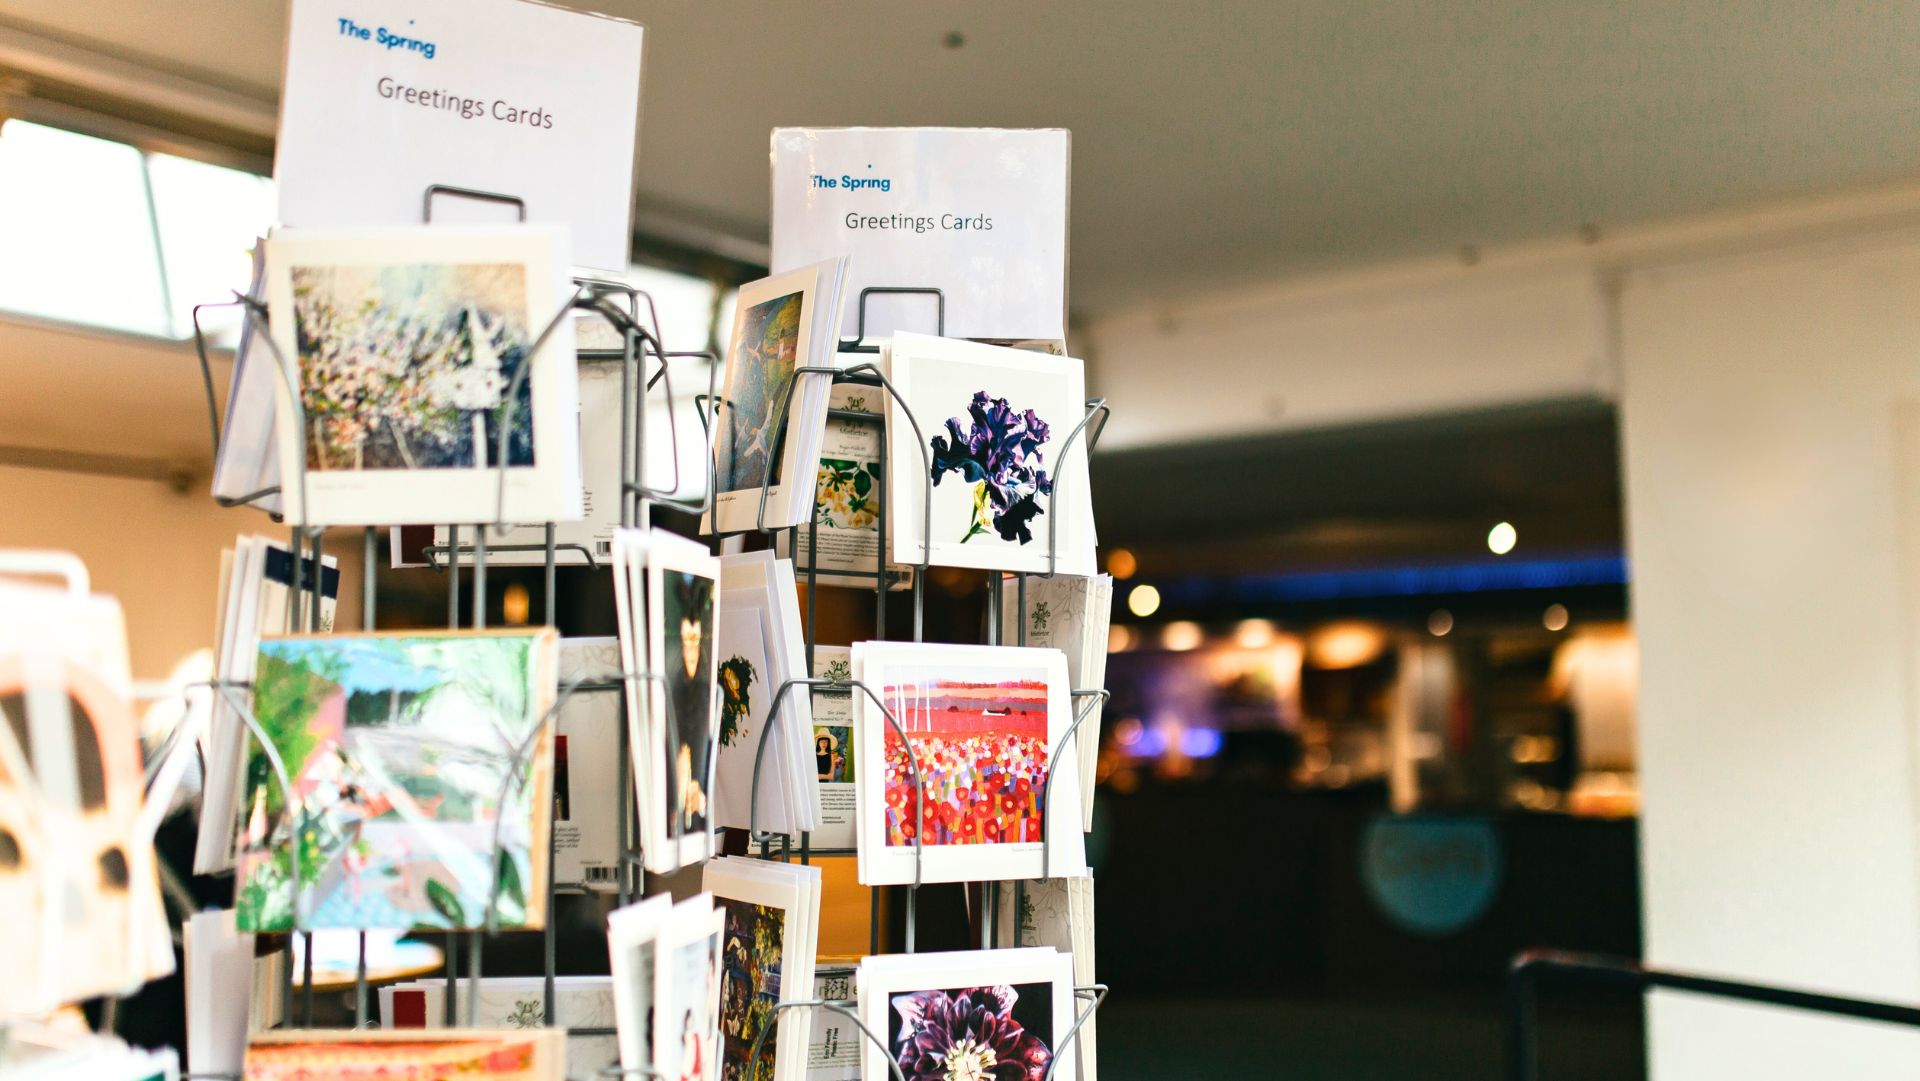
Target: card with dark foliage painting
[(978, 1015)]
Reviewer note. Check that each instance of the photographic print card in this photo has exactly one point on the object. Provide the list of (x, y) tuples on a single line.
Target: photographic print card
[(81, 891), (980, 725), (686, 991), (772, 911), (414, 760), (380, 102), (683, 623), (973, 1014), (780, 324), (530, 1054), (996, 422), (836, 762), (979, 213), (406, 343)]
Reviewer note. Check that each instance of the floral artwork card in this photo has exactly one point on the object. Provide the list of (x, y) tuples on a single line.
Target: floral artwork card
[(983, 431), (371, 1054), (848, 494), (959, 755), (410, 783), (978, 1015), (413, 349)]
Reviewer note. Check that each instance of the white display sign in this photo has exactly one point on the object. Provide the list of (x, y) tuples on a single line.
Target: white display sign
[(385, 98), (979, 213)]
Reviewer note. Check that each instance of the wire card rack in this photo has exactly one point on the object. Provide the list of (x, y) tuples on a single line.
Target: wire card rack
[(642, 344)]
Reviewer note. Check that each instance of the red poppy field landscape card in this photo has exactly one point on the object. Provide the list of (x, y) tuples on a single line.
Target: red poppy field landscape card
[(967, 741)]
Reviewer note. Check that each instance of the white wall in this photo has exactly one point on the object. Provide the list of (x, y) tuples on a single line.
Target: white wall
[(1770, 593), (155, 549)]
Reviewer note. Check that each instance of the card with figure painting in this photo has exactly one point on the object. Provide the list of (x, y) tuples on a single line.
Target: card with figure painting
[(683, 621)]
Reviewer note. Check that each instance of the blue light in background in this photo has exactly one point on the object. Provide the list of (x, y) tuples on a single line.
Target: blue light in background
[(1481, 577), (1200, 743)]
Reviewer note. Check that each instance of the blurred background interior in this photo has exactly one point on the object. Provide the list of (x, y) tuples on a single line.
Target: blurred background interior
[(1511, 484)]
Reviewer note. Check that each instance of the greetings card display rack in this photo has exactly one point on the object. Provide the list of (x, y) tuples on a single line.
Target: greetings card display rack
[(870, 375), (637, 501)]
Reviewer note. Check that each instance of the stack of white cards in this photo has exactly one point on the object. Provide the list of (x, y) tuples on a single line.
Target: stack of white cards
[(772, 932), (256, 588), (1071, 614), (586, 777), (665, 959), (1056, 913), (764, 473), (667, 603), (513, 1002), (50, 1054), (248, 459), (762, 647)]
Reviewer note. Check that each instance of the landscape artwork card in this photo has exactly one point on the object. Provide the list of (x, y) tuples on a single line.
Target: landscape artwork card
[(80, 892), (407, 344), (364, 1054), (772, 913), (421, 777), (683, 590), (980, 726), (996, 424), (756, 449), (686, 991), (994, 1015)]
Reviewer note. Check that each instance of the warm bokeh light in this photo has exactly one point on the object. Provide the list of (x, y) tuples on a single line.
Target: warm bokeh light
[(1121, 564), (1345, 645), (1254, 633), (1501, 538), (1440, 623), (1555, 618), (1143, 601), (515, 604), (1120, 638), (1181, 636)]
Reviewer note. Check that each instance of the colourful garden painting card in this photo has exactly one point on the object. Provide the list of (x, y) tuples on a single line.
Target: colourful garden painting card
[(79, 891), (413, 349), (983, 431), (530, 1054), (772, 931), (956, 755), (768, 427), (418, 781), (992, 1015)]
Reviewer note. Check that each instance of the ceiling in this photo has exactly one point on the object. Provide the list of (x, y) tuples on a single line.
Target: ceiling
[(1222, 142)]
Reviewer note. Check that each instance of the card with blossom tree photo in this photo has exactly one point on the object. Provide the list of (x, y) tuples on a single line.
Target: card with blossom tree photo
[(956, 755), (417, 354)]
